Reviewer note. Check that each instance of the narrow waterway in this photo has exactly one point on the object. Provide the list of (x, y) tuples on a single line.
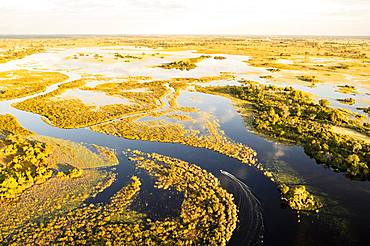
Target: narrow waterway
[(348, 201)]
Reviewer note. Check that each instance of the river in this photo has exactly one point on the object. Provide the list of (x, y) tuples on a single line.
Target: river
[(262, 218)]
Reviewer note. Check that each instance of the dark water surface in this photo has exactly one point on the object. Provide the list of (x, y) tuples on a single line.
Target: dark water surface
[(350, 200), (344, 221)]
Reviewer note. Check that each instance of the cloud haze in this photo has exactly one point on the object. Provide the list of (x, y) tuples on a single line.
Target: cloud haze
[(320, 17)]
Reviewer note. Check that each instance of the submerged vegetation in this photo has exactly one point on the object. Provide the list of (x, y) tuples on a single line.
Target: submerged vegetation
[(107, 154), (290, 115)]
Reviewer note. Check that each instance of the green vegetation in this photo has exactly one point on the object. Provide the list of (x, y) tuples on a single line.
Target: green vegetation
[(28, 159), (69, 154), (219, 57), (273, 70), (56, 196), (208, 213), (118, 55), (10, 125), (20, 83), (75, 173), (109, 155), (147, 99), (308, 78), (186, 64), (327, 59), (324, 103), (28, 162), (25, 163), (349, 101), (162, 131), (347, 89), (339, 66), (366, 110), (137, 57), (266, 77), (289, 115), (181, 65), (298, 198), (29, 190), (14, 53), (73, 113), (144, 97)]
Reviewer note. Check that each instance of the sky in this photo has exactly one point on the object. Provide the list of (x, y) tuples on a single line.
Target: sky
[(231, 17)]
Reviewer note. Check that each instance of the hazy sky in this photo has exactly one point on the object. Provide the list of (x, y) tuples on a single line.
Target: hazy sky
[(320, 17)]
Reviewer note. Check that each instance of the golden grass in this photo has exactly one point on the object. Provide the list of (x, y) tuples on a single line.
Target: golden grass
[(20, 83), (68, 153)]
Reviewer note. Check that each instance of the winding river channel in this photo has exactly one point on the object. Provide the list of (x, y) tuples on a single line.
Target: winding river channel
[(262, 217)]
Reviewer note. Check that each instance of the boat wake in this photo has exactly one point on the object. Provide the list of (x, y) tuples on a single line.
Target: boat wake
[(251, 225)]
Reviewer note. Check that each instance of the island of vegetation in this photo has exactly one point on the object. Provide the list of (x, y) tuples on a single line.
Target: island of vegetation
[(299, 198), (366, 110), (208, 213), (186, 64), (290, 115), (349, 101), (347, 89), (219, 57), (308, 78)]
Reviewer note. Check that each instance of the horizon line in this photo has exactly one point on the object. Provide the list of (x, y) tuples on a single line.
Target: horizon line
[(181, 35)]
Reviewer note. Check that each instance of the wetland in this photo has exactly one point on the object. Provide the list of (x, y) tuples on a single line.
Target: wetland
[(184, 140)]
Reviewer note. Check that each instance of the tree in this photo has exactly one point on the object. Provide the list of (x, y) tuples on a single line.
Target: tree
[(324, 103)]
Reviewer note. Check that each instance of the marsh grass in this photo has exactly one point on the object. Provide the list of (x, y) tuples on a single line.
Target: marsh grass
[(208, 212), (20, 83)]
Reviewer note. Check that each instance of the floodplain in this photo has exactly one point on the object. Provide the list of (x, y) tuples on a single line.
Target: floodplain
[(185, 140)]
